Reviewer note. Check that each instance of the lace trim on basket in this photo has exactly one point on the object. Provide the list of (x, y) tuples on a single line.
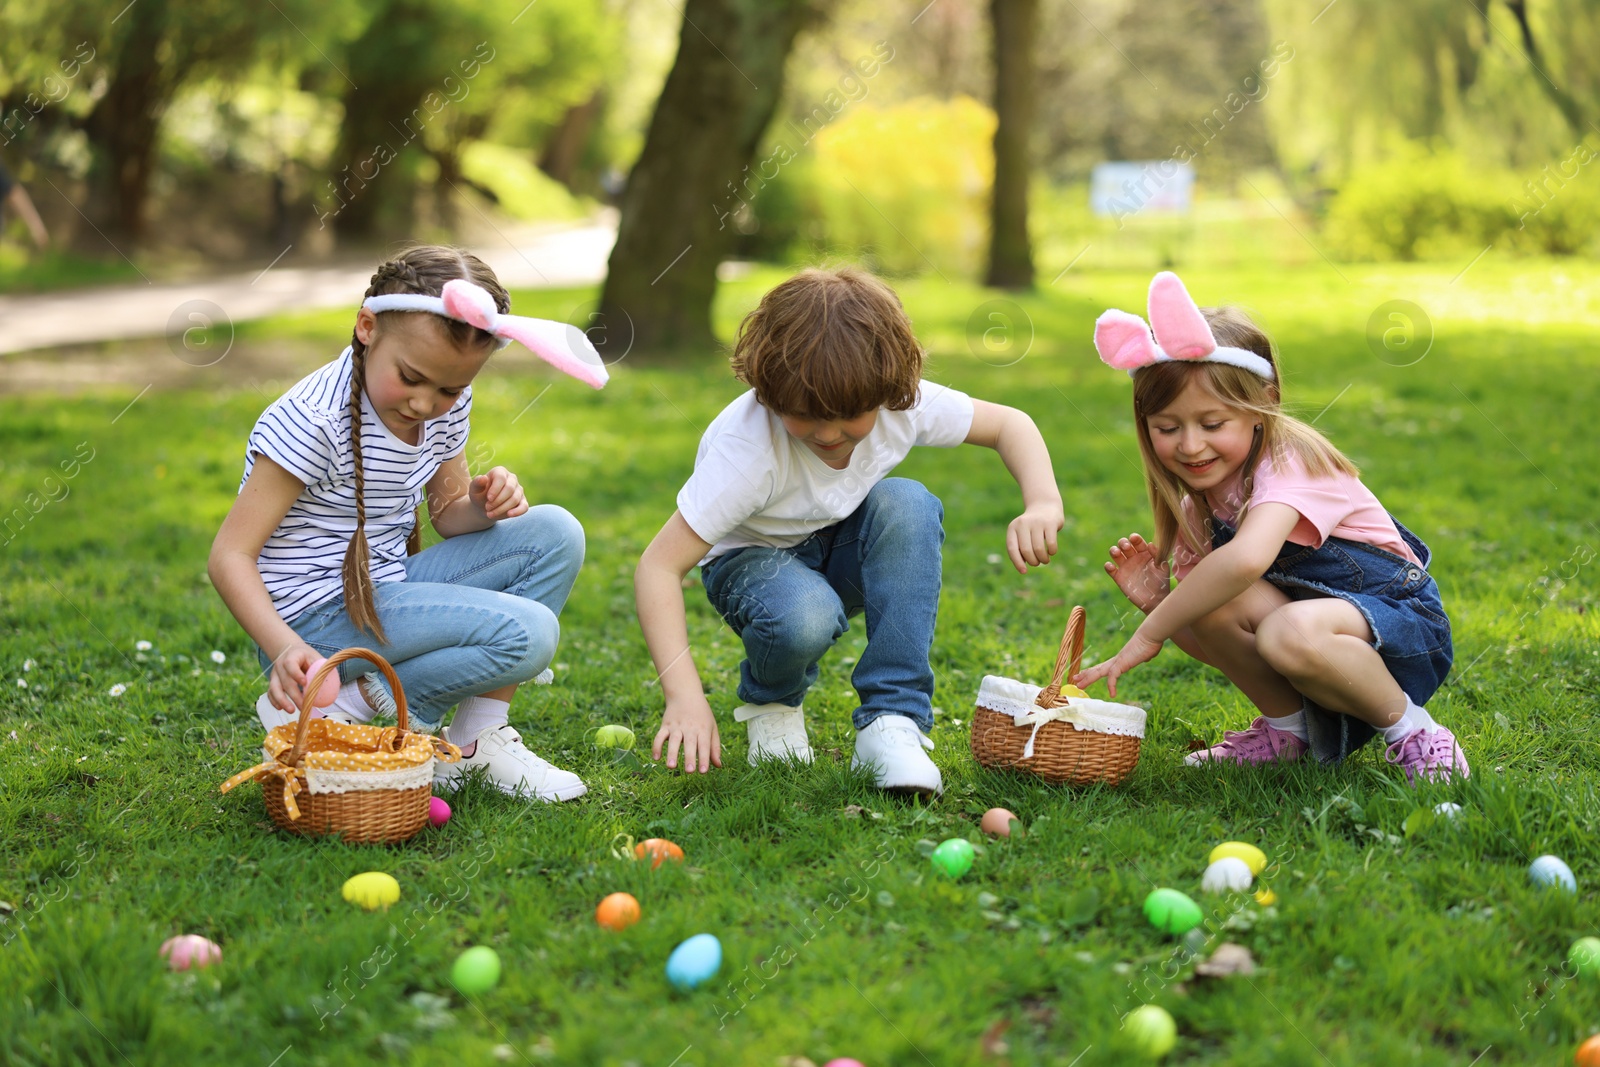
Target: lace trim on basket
[(1016, 699), (328, 781)]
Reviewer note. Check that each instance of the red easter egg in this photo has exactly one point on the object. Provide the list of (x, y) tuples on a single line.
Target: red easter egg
[(1588, 1054)]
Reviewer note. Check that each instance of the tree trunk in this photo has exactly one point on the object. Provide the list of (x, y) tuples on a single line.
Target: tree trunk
[(676, 221), (563, 151), (124, 123), (1010, 255)]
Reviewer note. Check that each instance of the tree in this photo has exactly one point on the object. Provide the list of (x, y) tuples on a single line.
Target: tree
[(676, 224), (1015, 25)]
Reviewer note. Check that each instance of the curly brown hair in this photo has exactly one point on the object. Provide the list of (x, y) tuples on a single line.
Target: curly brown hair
[(424, 269), (829, 344)]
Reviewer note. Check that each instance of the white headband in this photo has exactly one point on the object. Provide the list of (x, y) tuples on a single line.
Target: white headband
[(1181, 333), (559, 344)]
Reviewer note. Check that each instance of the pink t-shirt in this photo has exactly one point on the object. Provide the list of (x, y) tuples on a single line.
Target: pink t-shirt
[(1336, 505)]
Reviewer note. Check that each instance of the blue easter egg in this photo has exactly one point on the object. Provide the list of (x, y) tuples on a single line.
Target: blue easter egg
[(1550, 871), (694, 962)]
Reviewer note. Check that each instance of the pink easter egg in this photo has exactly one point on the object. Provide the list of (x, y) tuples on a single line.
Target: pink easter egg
[(330, 685), (844, 1062), (438, 811), (190, 950)]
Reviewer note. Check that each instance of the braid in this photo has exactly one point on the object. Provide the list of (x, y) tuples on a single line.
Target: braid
[(424, 269), (359, 594)]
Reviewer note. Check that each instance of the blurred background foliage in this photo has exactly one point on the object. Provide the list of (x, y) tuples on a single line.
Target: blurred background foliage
[(204, 132)]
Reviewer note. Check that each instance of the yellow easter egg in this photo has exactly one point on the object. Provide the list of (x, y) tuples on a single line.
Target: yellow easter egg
[(1069, 690), (372, 890), (1266, 897), (1253, 857)]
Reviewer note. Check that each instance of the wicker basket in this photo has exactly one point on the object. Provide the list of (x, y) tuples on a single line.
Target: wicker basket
[(1075, 739), (367, 784)]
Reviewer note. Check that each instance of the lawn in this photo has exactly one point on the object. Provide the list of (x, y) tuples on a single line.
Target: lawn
[(1393, 940)]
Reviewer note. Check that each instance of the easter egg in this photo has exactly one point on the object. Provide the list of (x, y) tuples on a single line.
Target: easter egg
[(1550, 871), (844, 1062), (1253, 857), (476, 971), (1266, 897), (614, 737), (1230, 874), (189, 950), (1171, 911), (658, 849), (372, 890), (1447, 810), (617, 911), (997, 823), (1584, 955), (330, 685), (694, 962), (1588, 1054), (438, 811), (953, 857), (1151, 1030)]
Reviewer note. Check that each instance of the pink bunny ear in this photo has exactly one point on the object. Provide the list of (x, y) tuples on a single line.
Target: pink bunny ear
[(1181, 331), (469, 303), (563, 346), (1123, 340)]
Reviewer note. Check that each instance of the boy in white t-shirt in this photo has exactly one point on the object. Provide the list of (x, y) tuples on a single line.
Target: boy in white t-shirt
[(796, 527)]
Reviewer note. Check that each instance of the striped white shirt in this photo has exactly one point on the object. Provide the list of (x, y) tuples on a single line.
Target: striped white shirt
[(307, 433)]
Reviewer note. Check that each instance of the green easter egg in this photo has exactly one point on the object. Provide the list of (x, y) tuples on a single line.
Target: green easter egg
[(476, 971), (1585, 956), (953, 857), (614, 737), (1151, 1030), (1171, 911)]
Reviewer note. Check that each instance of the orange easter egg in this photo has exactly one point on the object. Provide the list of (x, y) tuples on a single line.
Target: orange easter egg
[(617, 911), (997, 822), (1588, 1054), (658, 849)]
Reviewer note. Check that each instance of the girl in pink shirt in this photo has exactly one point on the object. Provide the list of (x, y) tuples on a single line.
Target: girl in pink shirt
[(1293, 580)]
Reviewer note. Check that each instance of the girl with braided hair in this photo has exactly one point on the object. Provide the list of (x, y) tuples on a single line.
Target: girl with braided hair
[(321, 549)]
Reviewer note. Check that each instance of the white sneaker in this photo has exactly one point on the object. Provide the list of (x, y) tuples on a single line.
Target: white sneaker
[(510, 767), (777, 732), (272, 718), (891, 747)]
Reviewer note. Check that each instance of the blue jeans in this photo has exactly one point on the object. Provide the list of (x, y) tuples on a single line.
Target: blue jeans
[(789, 605), (476, 612)]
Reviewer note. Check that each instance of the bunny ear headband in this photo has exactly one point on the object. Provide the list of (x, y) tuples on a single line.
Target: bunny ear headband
[(1181, 332), (564, 347)]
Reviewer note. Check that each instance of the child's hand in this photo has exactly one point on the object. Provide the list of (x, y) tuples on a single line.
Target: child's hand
[(1139, 572), (1139, 649), (1031, 537), (290, 673), (690, 723), (498, 494)]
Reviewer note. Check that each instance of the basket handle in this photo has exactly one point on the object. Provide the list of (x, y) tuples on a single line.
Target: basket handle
[(313, 686), (1070, 654)]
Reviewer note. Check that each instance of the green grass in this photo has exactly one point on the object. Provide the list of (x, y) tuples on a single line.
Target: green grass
[(1427, 947)]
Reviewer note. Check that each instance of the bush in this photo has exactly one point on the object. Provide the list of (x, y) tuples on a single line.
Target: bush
[(1419, 206)]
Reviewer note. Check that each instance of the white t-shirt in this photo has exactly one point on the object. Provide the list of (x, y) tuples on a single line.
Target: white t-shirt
[(307, 433), (754, 484)]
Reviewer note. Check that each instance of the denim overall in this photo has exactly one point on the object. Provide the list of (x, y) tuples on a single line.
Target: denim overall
[(1400, 601)]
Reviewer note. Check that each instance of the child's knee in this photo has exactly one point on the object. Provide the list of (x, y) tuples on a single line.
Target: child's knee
[(804, 629), (553, 533), (1288, 643), (903, 508)]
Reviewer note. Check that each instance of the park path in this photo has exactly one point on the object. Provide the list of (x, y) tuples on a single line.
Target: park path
[(532, 258)]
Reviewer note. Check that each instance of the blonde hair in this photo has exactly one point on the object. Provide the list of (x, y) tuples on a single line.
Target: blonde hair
[(424, 269), (1280, 436), (829, 344)]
